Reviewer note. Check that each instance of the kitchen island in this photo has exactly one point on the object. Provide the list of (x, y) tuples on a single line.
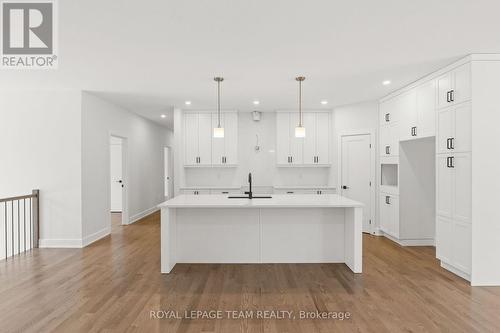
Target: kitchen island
[(283, 229)]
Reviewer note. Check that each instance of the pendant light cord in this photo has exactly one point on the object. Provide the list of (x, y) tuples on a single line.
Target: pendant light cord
[(218, 104), (300, 103)]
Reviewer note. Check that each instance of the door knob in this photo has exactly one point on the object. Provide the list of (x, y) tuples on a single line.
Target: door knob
[(120, 181), (345, 187)]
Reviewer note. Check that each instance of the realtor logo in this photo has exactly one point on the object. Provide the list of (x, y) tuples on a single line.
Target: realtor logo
[(28, 34)]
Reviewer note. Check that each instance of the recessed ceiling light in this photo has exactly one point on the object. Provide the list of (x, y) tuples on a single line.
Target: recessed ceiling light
[(386, 82), (187, 102), (324, 102), (256, 102), (163, 116)]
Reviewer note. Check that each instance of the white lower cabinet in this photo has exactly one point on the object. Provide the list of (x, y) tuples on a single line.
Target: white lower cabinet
[(304, 191), (454, 211), (389, 214)]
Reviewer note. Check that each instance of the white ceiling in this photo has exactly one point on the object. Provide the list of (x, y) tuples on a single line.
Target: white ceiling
[(152, 55)]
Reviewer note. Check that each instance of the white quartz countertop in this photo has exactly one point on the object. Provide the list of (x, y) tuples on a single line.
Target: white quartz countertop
[(277, 201)]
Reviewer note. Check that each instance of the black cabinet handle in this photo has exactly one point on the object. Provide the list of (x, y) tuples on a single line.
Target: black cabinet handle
[(452, 143), (289, 192), (387, 200), (448, 97), (387, 117), (387, 150), (452, 95), (225, 192), (448, 143), (449, 162), (291, 159), (414, 131)]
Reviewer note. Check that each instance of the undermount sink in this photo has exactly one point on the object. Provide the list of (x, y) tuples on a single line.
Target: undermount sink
[(247, 197)]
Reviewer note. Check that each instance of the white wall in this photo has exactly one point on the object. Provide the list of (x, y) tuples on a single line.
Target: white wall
[(144, 142), (40, 139)]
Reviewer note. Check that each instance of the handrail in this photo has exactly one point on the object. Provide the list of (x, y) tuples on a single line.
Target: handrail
[(19, 220), (19, 197)]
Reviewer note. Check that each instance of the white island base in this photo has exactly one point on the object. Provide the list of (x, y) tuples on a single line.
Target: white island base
[(283, 229)]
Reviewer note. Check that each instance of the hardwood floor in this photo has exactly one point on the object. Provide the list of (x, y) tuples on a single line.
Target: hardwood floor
[(114, 284)]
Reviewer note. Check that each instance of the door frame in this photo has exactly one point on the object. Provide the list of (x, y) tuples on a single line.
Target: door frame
[(125, 176), (373, 192)]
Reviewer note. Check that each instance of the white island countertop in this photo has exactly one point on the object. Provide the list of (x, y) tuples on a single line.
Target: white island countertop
[(277, 201)]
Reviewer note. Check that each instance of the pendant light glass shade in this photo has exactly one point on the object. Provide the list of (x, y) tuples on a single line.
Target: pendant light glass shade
[(300, 130), (218, 131)]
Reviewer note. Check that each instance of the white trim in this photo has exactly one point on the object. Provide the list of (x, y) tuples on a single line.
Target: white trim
[(373, 162), (96, 236), (144, 213), (455, 271), (60, 243), (409, 242)]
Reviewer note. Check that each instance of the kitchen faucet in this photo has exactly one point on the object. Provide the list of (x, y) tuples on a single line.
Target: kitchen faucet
[(250, 195)]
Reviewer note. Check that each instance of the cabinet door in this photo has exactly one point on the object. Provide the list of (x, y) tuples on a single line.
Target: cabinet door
[(426, 110), (190, 139), (218, 144), (323, 138), (282, 138), (394, 139), (383, 211), (231, 138), (310, 139), (462, 131), (444, 187), (394, 211), (408, 114), (205, 134), (462, 86), (444, 239), (386, 112), (462, 200), (445, 130), (385, 140), (296, 144), (444, 86), (461, 246)]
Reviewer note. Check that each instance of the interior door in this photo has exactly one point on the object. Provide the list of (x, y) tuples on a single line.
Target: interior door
[(116, 174), (356, 172)]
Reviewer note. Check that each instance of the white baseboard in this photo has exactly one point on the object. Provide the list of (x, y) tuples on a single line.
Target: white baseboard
[(60, 243), (143, 214), (455, 271), (410, 242), (96, 236)]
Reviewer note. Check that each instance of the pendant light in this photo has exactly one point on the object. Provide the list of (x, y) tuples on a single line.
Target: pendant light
[(218, 131), (300, 131)]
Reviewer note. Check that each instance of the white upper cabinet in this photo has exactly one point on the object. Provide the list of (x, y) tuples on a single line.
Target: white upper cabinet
[(197, 131), (225, 150), (417, 110), (455, 86), (426, 110), (406, 103), (388, 112), (313, 150), (201, 148), (454, 129)]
